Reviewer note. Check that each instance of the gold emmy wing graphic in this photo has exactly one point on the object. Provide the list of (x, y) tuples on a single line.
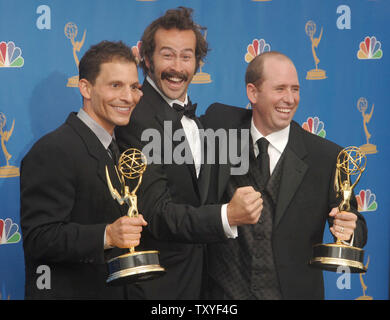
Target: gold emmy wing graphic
[(364, 287), (314, 74), (351, 161), (201, 77), (362, 105), (7, 171), (133, 266), (71, 31)]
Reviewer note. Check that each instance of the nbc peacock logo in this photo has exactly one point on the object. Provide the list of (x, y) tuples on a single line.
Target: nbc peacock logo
[(370, 48), (10, 55), (9, 232), (256, 48), (366, 200), (315, 126)]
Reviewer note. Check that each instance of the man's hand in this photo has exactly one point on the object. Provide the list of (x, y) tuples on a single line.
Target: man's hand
[(245, 207), (344, 224), (125, 232)]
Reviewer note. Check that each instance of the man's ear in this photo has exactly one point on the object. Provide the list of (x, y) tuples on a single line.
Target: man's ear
[(85, 88), (251, 92)]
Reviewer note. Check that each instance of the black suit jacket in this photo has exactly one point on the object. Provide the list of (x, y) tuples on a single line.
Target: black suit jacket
[(306, 196), (171, 199), (65, 207)]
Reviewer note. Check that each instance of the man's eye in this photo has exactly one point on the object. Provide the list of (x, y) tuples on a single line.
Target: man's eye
[(168, 55), (135, 87)]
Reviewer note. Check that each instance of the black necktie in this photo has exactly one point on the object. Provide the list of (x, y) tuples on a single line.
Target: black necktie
[(263, 159), (114, 151), (188, 110)]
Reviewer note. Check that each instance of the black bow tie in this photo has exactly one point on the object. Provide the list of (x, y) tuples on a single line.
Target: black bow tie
[(188, 110)]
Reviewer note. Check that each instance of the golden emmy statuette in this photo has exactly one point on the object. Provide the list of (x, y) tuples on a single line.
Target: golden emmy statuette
[(133, 266), (201, 77), (71, 31), (314, 74), (364, 287), (362, 105), (350, 161), (7, 171)]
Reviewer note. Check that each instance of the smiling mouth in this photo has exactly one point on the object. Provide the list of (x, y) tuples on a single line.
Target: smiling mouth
[(123, 109), (283, 110), (174, 77)]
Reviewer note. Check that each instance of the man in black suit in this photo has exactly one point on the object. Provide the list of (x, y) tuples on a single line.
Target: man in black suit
[(294, 171), (172, 194), (69, 220)]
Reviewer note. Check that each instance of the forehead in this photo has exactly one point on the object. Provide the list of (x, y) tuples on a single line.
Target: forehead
[(175, 39), (280, 70), (120, 69)]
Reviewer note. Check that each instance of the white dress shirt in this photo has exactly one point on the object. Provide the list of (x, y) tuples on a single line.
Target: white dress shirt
[(191, 131), (277, 143)]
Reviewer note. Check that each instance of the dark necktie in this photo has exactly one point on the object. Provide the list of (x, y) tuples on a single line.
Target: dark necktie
[(114, 151), (263, 160), (188, 110)]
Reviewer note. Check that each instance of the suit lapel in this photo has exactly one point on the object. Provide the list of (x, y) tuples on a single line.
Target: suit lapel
[(294, 170), (96, 152), (164, 112), (224, 171), (205, 169)]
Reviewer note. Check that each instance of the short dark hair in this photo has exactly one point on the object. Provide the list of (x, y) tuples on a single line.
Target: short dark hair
[(104, 51), (255, 70), (181, 19)]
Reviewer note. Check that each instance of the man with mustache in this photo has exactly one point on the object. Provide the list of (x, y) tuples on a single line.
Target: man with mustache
[(70, 222), (172, 196)]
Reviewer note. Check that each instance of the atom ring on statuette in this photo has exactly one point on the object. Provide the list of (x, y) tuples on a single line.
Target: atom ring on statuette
[(132, 163)]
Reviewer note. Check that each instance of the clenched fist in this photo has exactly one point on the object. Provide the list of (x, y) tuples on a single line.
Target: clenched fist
[(245, 207)]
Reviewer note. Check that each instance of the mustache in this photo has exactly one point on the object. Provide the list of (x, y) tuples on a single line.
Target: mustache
[(174, 74)]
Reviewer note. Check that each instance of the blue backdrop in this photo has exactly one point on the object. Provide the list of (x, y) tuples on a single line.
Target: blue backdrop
[(344, 93)]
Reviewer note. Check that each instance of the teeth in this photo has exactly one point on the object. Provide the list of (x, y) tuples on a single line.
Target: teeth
[(122, 108), (175, 79), (283, 110)]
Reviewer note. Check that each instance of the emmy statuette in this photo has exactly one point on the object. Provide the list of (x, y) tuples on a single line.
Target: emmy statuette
[(362, 105), (133, 266), (7, 171), (350, 161), (201, 77), (314, 74), (71, 31)]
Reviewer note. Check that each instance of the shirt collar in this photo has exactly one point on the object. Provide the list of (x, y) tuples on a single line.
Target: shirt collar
[(104, 137), (277, 139), (169, 101)]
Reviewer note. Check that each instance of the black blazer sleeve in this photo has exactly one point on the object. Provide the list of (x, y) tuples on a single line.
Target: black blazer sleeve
[(168, 218)]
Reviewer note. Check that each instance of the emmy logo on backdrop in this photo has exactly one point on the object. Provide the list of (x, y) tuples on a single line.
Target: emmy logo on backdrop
[(133, 266), (351, 161), (201, 77), (314, 74), (362, 105), (7, 171), (364, 286), (71, 31)]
